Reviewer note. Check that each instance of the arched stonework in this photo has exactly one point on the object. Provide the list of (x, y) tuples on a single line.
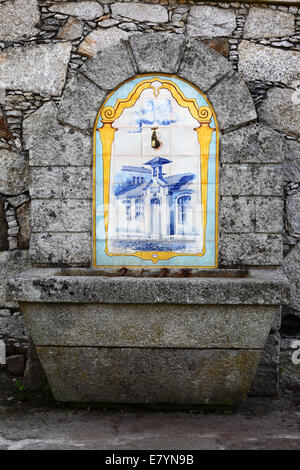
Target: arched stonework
[(159, 53), (191, 60), (62, 139)]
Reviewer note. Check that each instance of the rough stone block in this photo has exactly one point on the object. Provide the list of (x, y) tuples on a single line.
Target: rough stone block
[(61, 182), (291, 269), (16, 201), (202, 65), (39, 69), (11, 263), (267, 287), (140, 12), (255, 180), (14, 172), (145, 375), (13, 230), (250, 250), (236, 215), (149, 325), (101, 39), (67, 215), (268, 23), (109, 22), (73, 29), (258, 62), (210, 21), (292, 161), (23, 218), (61, 248), (253, 144), (5, 312), (157, 52), (18, 19), (13, 326), (104, 68), (52, 144), (80, 103), (269, 214), (232, 102), (87, 10), (13, 241), (4, 130), (293, 214), (281, 110), (220, 45)]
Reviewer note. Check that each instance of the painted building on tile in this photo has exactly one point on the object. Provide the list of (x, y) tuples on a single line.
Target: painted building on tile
[(155, 208)]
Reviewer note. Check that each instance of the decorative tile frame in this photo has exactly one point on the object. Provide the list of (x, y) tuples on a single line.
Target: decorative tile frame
[(199, 112)]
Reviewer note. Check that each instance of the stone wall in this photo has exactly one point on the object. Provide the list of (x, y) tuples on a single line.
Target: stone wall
[(42, 46)]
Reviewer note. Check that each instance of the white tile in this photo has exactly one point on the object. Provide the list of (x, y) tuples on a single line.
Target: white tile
[(127, 142), (184, 117), (129, 117), (182, 164), (184, 141)]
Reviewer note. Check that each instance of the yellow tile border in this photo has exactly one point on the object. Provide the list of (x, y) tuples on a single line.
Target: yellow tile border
[(109, 114)]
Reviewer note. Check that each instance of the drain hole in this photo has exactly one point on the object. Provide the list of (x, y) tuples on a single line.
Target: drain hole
[(290, 326)]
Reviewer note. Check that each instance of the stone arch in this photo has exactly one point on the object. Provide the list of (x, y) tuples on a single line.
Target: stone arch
[(68, 130), (157, 53)]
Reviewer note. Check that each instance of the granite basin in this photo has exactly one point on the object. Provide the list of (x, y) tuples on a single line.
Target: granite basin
[(117, 338)]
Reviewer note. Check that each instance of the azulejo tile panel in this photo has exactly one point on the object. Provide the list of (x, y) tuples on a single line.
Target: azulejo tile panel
[(156, 176)]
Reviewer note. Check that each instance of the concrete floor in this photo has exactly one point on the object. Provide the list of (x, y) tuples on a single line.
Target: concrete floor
[(258, 424)]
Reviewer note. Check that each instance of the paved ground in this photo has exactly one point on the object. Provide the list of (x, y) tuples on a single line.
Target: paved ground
[(259, 424)]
